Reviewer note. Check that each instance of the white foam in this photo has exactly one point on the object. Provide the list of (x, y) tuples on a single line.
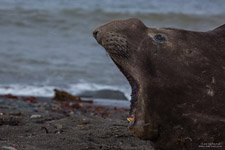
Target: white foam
[(27, 90)]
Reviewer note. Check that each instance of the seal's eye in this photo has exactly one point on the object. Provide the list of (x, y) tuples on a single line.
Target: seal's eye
[(159, 38)]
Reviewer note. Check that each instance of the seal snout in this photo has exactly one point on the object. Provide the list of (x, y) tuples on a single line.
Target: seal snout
[(96, 35)]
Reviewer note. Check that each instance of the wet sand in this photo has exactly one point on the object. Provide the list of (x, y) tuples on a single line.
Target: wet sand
[(32, 123)]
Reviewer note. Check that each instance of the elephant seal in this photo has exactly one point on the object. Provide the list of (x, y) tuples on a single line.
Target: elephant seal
[(177, 79)]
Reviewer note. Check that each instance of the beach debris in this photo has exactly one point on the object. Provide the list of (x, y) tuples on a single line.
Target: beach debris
[(58, 128), (35, 116), (30, 99), (10, 96), (85, 121), (15, 113), (65, 96), (53, 128), (71, 113), (9, 120), (8, 148), (46, 129), (70, 102)]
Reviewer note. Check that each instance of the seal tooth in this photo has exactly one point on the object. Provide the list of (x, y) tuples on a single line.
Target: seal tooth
[(131, 119)]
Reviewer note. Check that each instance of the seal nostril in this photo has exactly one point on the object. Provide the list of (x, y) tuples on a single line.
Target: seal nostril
[(95, 33)]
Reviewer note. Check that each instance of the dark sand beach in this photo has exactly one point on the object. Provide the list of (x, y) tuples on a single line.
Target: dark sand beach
[(34, 123), (48, 44)]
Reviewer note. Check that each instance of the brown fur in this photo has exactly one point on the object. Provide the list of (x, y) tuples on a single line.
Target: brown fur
[(180, 77)]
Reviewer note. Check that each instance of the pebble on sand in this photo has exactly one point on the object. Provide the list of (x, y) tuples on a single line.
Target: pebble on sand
[(8, 148), (35, 116)]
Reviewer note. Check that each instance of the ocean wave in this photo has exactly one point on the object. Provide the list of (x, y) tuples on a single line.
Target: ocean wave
[(125, 6), (27, 90), (70, 17), (48, 91)]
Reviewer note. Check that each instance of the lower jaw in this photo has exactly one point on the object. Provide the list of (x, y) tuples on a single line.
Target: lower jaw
[(143, 130), (142, 124)]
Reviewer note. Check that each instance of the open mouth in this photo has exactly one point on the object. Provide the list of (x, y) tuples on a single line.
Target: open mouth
[(139, 120), (134, 97), (116, 45), (134, 89), (120, 51)]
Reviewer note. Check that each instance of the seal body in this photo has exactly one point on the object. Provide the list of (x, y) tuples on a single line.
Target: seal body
[(177, 79)]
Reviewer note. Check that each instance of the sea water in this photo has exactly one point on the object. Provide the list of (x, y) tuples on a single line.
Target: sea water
[(47, 44)]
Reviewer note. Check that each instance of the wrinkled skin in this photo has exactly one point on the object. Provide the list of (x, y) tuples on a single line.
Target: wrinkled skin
[(177, 79)]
